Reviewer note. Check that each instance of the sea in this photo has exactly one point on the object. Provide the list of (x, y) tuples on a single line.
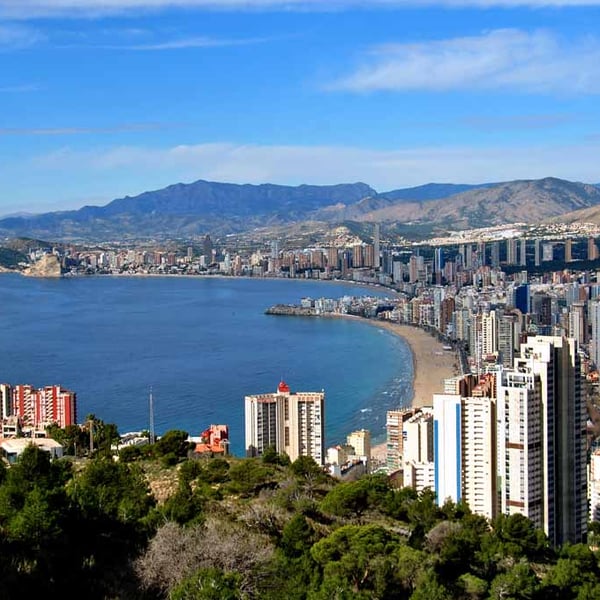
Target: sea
[(200, 344)]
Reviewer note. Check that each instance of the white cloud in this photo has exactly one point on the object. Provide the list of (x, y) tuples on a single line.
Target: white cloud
[(19, 88), (51, 8), (507, 59), (51, 131), (15, 37), (178, 44)]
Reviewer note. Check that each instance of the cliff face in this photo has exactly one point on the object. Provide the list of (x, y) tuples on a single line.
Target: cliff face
[(47, 266)]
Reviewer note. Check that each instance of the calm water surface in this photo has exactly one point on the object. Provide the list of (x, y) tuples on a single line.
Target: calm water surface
[(202, 344)]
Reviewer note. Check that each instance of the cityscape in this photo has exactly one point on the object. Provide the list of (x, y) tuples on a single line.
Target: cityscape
[(300, 299), (509, 433)]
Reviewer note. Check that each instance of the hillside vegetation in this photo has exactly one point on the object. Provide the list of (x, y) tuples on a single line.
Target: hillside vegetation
[(258, 528)]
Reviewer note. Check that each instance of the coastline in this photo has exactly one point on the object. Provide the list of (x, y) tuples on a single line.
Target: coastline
[(431, 365)]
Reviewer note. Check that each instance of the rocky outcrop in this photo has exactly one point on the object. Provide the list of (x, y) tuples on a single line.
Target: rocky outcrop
[(47, 266), (290, 310)]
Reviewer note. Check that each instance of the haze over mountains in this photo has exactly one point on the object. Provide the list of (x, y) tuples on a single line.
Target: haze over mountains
[(186, 210)]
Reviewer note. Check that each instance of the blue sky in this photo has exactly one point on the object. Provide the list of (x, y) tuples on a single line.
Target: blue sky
[(105, 98)]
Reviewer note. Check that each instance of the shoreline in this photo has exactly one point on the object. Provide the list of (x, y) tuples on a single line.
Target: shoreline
[(350, 282), (431, 365)]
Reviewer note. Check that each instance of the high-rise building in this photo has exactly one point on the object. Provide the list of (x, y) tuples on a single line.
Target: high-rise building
[(519, 461), (536, 252), (578, 323), (594, 486), (417, 460), (376, 249), (594, 309), (39, 408), (568, 250), (592, 251), (511, 251), (495, 254), (394, 425), (360, 440), (368, 255), (564, 415), (522, 299), (291, 422), (438, 260), (332, 258), (207, 249), (5, 401), (413, 269), (478, 433), (464, 432), (357, 256), (447, 447), (489, 333), (523, 252), (547, 252), (509, 327)]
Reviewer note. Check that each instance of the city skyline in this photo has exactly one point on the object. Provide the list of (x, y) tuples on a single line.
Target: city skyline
[(102, 100)]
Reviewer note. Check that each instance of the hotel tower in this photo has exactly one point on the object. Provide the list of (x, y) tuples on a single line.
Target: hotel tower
[(290, 422)]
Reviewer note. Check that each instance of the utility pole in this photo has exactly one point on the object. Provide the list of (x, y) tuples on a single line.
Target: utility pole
[(152, 433)]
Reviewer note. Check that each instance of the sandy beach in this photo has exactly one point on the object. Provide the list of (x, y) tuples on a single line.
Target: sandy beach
[(431, 365)]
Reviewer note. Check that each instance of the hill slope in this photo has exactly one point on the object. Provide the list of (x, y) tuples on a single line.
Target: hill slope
[(529, 201), (186, 210)]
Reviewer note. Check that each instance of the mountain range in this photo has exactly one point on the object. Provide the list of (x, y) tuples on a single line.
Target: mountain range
[(188, 210)]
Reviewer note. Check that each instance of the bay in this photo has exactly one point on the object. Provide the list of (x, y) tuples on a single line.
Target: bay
[(201, 344)]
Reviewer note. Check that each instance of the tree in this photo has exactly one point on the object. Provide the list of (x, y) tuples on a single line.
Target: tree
[(112, 489), (173, 444), (349, 499), (576, 566), (208, 584), (358, 558), (409, 567), (520, 583), (297, 537), (429, 588), (249, 476), (516, 536), (353, 498)]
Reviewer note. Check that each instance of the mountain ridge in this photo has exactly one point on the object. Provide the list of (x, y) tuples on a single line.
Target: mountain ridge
[(187, 210)]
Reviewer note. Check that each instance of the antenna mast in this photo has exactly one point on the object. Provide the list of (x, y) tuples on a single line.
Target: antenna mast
[(152, 433)]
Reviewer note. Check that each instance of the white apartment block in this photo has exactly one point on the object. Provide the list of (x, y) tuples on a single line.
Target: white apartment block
[(478, 440), (291, 422), (594, 486), (594, 312), (519, 461), (447, 448)]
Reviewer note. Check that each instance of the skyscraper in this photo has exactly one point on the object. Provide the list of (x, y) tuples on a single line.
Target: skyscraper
[(291, 422), (568, 250), (464, 434), (594, 309), (511, 251), (556, 361), (523, 252), (377, 259), (519, 461), (522, 300), (447, 447)]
